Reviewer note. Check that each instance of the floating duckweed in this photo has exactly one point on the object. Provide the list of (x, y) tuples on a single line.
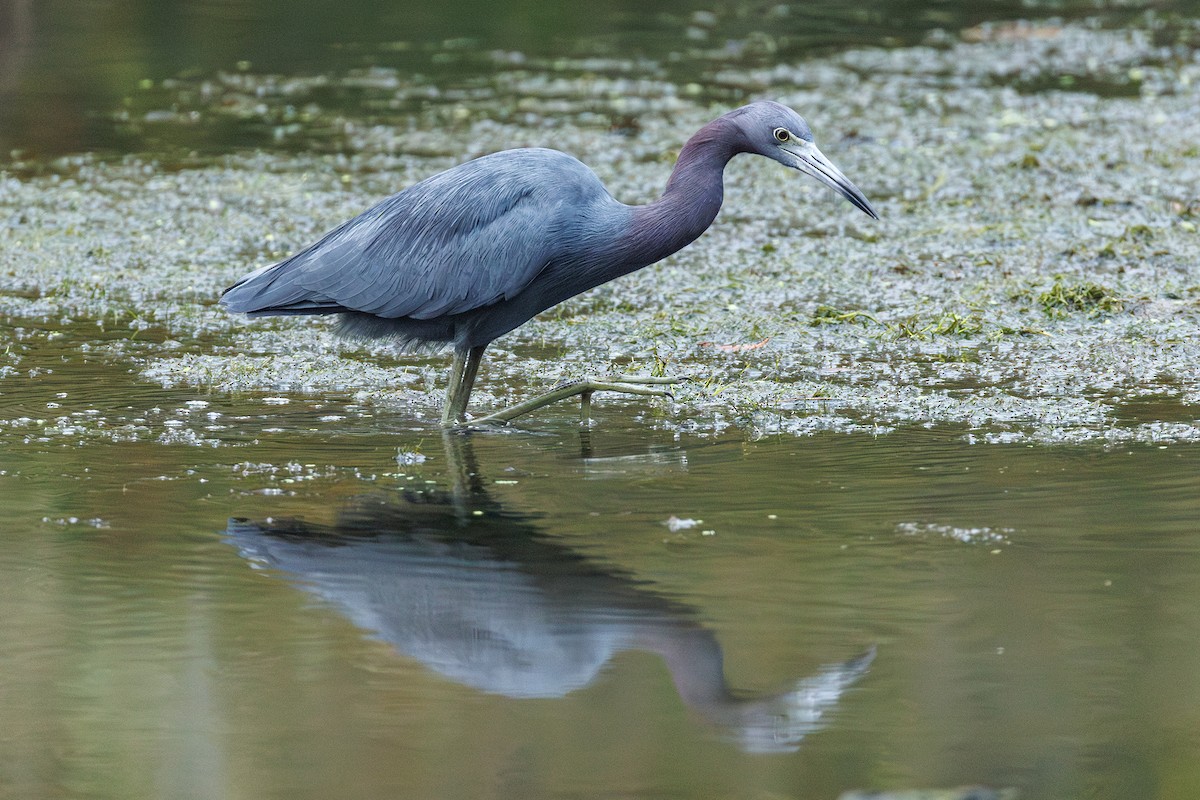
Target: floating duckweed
[(945, 312)]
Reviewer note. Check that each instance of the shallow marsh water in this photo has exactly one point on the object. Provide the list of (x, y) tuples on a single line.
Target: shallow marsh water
[(925, 518), (536, 614)]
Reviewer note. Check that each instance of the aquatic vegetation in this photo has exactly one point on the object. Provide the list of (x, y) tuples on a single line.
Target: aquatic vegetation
[(828, 315), (1091, 298), (948, 324), (913, 326), (1018, 283)]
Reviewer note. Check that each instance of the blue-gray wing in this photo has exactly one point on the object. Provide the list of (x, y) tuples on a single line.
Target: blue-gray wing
[(460, 240)]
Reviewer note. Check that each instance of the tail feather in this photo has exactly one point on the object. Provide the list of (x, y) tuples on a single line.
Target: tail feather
[(271, 290), (274, 291)]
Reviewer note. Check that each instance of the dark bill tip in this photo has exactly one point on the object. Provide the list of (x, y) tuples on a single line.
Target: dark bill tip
[(817, 165), (857, 199)]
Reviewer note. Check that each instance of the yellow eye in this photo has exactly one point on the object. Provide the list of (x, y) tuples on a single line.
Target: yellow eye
[(782, 135)]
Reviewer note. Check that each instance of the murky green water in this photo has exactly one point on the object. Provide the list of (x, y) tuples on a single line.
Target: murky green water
[(551, 613), (284, 581), (139, 75)]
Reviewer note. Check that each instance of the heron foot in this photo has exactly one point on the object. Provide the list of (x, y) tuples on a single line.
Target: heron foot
[(584, 387)]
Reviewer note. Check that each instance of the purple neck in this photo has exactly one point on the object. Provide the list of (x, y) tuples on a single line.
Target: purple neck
[(691, 200)]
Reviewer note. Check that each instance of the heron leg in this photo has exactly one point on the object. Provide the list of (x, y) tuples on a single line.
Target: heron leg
[(463, 370), (585, 406), (626, 384)]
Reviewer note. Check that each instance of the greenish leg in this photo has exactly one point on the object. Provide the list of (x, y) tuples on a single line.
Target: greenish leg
[(585, 406), (463, 370), (626, 384)]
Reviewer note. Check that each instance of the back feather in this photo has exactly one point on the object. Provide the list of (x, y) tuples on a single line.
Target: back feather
[(461, 240)]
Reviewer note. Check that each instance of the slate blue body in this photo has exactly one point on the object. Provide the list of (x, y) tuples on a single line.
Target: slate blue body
[(471, 253), (449, 259)]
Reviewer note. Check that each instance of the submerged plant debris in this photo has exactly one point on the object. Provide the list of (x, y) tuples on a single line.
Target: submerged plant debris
[(1034, 271)]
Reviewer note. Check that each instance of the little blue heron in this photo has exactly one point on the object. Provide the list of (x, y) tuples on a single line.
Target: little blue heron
[(471, 253)]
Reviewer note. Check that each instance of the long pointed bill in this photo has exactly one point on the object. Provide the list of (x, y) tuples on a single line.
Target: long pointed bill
[(810, 160)]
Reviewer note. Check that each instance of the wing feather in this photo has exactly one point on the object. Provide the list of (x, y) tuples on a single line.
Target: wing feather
[(460, 240)]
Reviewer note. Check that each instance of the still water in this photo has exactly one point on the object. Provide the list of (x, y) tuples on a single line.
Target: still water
[(214, 595), (74, 74), (336, 603)]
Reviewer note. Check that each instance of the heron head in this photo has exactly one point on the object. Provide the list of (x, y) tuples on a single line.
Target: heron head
[(779, 133)]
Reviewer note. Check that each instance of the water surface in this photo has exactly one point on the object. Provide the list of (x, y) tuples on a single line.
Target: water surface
[(534, 613), (296, 586), (84, 77)]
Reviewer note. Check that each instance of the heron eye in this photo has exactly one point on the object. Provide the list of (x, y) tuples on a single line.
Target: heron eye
[(782, 135)]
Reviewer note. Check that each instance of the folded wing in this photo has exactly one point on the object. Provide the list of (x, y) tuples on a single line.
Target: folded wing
[(460, 240)]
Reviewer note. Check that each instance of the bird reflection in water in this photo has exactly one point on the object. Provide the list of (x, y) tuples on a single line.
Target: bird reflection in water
[(481, 596)]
